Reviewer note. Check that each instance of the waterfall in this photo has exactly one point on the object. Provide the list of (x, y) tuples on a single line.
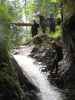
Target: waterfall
[(39, 79)]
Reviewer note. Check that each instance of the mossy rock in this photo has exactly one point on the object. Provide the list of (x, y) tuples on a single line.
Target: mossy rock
[(9, 85)]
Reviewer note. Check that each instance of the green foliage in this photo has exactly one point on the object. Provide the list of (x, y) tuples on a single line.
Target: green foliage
[(30, 7), (5, 19), (54, 1), (44, 6), (9, 13), (57, 34)]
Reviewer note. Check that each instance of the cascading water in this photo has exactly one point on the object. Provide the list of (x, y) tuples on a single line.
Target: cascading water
[(39, 79)]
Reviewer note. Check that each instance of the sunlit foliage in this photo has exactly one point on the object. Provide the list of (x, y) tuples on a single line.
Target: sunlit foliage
[(8, 15)]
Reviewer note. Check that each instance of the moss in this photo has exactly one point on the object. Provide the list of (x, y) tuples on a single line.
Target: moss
[(9, 85)]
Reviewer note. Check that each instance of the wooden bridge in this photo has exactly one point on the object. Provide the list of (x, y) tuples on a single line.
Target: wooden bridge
[(22, 24)]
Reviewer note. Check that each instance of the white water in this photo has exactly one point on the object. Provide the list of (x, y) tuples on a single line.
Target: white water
[(47, 91)]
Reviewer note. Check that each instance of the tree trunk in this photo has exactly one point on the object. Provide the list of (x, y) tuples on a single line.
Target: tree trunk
[(69, 41)]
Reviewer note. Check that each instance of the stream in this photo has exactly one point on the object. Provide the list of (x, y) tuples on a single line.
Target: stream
[(31, 70)]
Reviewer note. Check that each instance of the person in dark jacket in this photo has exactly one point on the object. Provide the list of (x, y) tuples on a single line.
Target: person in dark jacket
[(34, 28)]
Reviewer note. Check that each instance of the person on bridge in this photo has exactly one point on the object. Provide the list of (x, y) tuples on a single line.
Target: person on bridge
[(42, 23), (34, 28), (52, 23)]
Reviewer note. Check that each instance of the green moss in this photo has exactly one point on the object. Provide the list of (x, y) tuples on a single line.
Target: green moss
[(9, 84)]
